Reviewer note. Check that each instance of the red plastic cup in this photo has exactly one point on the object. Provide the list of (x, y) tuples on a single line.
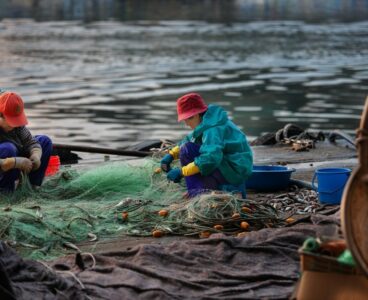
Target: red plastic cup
[(53, 166)]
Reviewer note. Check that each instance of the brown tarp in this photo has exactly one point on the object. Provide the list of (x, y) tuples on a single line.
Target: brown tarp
[(263, 265), (26, 279)]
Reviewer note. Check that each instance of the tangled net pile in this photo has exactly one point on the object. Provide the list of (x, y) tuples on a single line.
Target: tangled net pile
[(118, 199)]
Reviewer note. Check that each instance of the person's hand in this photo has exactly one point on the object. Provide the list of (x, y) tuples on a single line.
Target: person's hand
[(8, 164), (35, 158), (166, 161), (174, 175), (36, 162), (23, 163)]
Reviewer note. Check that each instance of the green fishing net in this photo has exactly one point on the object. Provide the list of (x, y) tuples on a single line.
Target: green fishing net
[(112, 200)]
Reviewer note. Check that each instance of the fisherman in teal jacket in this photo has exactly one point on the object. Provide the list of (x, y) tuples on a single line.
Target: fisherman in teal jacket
[(215, 155)]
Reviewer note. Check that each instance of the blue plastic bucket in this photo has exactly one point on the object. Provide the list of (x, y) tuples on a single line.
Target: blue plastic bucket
[(269, 178), (331, 183)]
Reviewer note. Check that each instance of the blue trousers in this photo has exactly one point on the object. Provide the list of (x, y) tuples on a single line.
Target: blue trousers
[(197, 183), (7, 149)]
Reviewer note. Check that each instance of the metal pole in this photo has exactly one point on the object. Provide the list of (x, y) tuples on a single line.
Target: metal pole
[(102, 150)]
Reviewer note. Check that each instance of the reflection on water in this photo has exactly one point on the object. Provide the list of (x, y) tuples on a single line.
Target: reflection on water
[(114, 83)]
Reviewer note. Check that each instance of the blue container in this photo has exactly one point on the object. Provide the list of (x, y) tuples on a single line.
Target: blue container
[(269, 178), (331, 183)]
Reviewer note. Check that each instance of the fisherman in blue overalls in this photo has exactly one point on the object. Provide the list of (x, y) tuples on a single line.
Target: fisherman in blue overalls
[(19, 150), (215, 155)]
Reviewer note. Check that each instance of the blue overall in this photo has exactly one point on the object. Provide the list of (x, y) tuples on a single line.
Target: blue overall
[(197, 183), (8, 149)]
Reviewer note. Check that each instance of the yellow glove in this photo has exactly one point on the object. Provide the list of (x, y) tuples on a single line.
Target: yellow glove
[(35, 158), (190, 169), (174, 152)]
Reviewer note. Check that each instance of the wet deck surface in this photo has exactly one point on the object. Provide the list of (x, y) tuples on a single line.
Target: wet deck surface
[(324, 155), (324, 151)]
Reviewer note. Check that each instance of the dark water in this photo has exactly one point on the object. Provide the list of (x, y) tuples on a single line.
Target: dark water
[(208, 10), (113, 80)]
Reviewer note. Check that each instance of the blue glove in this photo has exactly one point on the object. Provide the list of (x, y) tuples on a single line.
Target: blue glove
[(166, 161), (174, 175)]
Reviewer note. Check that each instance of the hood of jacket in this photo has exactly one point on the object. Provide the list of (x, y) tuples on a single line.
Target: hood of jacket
[(214, 116)]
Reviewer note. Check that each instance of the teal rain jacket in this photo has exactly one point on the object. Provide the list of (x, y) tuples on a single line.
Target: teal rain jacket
[(223, 146)]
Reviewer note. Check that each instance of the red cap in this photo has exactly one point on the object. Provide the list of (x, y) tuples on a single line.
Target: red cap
[(190, 105), (12, 109)]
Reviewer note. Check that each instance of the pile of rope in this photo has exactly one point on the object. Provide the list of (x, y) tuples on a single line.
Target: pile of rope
[(293, 135)]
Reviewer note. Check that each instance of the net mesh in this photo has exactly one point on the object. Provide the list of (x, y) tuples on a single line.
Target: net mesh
[(114, 199)]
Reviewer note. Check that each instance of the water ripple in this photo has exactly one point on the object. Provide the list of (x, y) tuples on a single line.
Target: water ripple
[(115, 83)]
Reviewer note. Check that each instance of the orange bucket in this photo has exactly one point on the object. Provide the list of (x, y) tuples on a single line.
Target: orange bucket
[(53, 166)]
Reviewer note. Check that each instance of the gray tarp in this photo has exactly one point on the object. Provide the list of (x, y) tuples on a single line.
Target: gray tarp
[(265, 264)]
